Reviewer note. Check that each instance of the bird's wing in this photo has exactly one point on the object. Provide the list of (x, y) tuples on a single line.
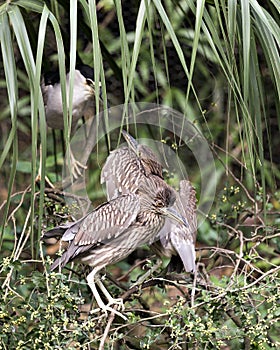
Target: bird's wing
[(183, 238), (120, 173), (124, 169), (186, 205), (184, 247), (107, 221), (177, 237), (108, 174)]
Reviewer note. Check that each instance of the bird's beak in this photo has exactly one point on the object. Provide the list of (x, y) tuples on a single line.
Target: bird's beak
[(91, 84), (100, 92), (174, 215), (132, 143)]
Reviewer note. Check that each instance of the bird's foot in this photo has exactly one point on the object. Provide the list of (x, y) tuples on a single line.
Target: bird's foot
[(73, 166), (77, 169), (107, 308), (118, 301)]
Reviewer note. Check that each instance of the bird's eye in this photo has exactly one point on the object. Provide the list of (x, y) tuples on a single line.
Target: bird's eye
[(159, 203), (90, 82)]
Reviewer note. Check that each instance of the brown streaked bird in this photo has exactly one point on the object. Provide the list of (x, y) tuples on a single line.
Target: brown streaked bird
[(137, 161), (176, 239), (115, 229), (126, 165)]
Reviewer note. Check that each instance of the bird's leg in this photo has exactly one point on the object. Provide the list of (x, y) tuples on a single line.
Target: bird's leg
[(111, 300), (76, 166), (142, 278), (73, 166), (102, 306)]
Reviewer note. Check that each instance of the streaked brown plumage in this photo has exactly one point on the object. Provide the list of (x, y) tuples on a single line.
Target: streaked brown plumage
[(180, 239), (121, 173), (126, 166), (115, 229)]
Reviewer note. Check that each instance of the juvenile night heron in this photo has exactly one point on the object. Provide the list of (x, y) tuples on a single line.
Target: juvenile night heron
[(125, 167), (115, 229), (121, 173), (180, 239)]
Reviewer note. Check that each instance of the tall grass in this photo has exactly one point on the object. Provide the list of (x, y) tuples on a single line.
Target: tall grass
[(227, 57)]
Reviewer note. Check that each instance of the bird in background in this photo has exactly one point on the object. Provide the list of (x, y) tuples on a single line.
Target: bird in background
[(115, 229), (83, 103), (83, 96), (121, 173)]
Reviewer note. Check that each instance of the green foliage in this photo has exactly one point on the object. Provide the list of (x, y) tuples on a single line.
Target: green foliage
[(35, 317), (217, 63), (43, 311)]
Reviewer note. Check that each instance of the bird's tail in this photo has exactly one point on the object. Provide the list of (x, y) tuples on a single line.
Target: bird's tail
[(186, 252), (58, 231), (59, 262)]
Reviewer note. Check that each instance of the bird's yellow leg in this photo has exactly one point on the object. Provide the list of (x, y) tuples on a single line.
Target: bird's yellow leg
[(102, 306), (111, 300)]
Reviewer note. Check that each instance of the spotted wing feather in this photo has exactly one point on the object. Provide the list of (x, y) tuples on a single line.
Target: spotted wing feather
[(121, 172), (187, 205), (124, 170), (105, 223), (108, 221)]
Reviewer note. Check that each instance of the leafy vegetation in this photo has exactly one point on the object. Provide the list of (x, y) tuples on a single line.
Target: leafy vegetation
[(217, 64)]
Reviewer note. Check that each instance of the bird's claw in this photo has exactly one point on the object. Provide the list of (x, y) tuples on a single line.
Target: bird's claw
[(77, 169), (107, 308), (118, 301), (73, 166)]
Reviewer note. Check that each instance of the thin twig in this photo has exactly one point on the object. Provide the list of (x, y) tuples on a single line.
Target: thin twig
[(107, 329), (233, 176)]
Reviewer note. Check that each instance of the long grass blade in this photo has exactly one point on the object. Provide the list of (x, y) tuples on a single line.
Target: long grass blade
[(39, 107), (21, 35), (12, 88)]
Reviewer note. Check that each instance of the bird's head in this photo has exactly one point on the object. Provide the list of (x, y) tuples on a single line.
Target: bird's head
[(159, 198), (165, 197), (141, 151), (164, 205), (87, 77), (132, 143), (90, 87), (148, 158)]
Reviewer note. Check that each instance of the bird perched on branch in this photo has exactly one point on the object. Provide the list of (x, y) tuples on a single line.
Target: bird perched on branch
[(115, 229), (180, 239), (83, 103), (121, 173), (83, 96)]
